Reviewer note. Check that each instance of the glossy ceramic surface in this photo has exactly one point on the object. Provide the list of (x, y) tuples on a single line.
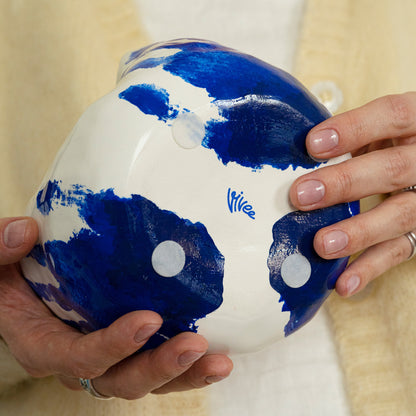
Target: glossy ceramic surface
[(171, 194)]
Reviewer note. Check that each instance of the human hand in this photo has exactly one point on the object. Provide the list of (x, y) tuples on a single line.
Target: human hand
[(45, 346), (381, 136)]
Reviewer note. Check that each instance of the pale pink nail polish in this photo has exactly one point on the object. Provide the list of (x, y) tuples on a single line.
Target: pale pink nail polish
[(335, 241), (310, 192), (145, 332), (323, 141), (14, 234), (353, 283), (189, 357)]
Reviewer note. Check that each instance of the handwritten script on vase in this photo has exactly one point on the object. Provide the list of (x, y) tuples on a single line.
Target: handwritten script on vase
[(237, 203)]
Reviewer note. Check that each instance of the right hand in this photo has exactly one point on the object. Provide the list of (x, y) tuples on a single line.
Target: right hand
[(45, 346)]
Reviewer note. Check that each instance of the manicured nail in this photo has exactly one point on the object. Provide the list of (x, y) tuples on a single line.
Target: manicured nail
[(335, 241), (352, 284), (213, 379), (145, 332), (189, 357), (14, 234), (310, 192), (323, 141)]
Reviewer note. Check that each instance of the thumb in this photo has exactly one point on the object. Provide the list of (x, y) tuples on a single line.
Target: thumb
[(17, 237)]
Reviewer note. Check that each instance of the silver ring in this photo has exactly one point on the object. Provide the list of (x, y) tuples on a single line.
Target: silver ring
[(409, 188), (411, 236), (87, 385)]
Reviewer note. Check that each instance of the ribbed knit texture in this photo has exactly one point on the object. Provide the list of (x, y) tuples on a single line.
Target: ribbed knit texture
[(57, 57), (365, 47)]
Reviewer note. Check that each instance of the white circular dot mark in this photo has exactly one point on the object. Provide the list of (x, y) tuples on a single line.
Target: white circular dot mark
[(328, 94), (168, 258), (188, 130), (296, 270)]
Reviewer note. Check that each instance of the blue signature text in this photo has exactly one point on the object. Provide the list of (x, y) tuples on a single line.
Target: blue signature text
[(237, 203)]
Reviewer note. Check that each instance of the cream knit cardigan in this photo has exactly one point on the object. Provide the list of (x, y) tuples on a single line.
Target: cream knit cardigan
[(58, 56)]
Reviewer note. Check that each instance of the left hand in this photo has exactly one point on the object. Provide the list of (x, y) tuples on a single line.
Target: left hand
[(381, 136), (44, 345)]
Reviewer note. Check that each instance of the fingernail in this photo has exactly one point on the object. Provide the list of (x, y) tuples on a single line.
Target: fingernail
[(189, 357), (352, 284), (335, 241), (14, 234), (213, 379), (310, 192), (145, 332), (323, 141)]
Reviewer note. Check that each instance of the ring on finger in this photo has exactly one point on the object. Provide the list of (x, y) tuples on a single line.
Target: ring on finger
[(411, 236), (411, 188), (87, 385)]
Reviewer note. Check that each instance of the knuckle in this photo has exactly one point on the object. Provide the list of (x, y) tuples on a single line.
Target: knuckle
[(405, 216), (397, 166), (402, 112), (82, 370), (397, 253), (344, 181), (362, 237), (356, 124)]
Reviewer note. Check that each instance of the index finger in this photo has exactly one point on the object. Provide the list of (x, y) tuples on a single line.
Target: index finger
[(392, 116)]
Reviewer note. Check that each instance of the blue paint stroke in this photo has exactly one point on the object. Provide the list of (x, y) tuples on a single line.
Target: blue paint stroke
[(105, 269), (292, 234), (267, 112), (150, 100), (260, 132), (138, 60)]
